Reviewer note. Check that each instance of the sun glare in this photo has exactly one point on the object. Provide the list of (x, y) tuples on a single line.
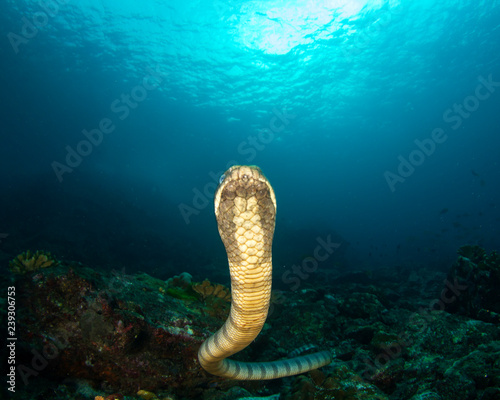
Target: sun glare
[(276, 27)]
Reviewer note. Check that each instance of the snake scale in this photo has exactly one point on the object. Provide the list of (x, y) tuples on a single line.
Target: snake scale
[(245, 207)]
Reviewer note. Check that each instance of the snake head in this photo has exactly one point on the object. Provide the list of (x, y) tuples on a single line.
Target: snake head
[(245, 208), (244, 182), (243, 172)]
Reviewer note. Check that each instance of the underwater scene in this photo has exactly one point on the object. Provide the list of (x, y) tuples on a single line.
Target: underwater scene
[(250, 199)]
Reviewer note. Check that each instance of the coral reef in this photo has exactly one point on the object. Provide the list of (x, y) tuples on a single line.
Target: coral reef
[(144, 394), (474, 253), (216, 298), (147, 395), (29, 262), (114, 331), (479, 369), (182, 280), (476, 279), (207, 289), (419, 334), (339, 384)]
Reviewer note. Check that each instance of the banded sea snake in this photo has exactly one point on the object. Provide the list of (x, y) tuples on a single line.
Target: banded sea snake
[(245, 208)]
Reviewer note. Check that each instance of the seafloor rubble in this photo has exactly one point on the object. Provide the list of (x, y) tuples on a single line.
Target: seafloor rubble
[(396, 334)]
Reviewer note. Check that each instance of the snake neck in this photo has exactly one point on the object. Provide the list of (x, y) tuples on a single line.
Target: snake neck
[(250, 295)]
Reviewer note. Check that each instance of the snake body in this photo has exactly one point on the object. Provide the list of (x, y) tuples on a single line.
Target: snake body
[(245, 208)]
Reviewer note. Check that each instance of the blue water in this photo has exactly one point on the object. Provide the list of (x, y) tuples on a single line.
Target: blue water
[(377, 122)]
